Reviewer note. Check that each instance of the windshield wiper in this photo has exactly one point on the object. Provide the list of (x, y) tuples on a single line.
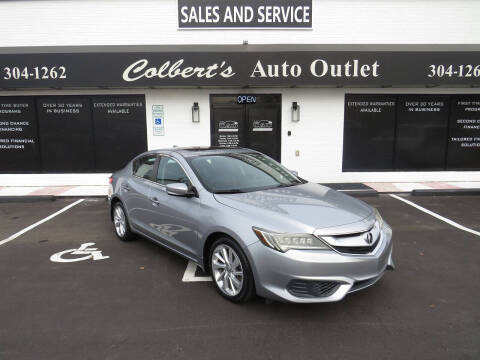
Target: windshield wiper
[(286, 185), (230, 191)]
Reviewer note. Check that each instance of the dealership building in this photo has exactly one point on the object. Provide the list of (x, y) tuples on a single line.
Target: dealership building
[(341, 91)]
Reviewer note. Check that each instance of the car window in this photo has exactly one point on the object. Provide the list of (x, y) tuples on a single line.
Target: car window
[(143, 167), (170, 171), (241, 172)]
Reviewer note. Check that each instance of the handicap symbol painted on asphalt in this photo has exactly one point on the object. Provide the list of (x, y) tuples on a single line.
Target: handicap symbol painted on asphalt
[(85, 250)]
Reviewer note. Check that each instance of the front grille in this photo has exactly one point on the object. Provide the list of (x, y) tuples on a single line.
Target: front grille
[(312, 288), (357, 249), (355, 243)]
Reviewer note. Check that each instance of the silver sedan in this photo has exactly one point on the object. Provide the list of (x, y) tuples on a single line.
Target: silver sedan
[(257, 227)]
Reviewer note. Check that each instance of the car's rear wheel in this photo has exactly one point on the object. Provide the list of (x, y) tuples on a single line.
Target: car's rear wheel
[(120, 223), (231, 271)]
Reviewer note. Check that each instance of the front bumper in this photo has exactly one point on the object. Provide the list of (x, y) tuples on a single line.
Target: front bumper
[(275, 272)]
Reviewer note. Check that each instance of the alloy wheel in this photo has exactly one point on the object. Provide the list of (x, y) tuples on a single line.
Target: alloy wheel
[(227, 270), (119, 221)]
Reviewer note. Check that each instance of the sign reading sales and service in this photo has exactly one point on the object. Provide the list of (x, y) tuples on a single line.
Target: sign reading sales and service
[(244, 14)]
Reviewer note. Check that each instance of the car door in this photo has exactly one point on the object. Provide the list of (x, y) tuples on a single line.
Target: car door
[(174, 218), (135, 191)]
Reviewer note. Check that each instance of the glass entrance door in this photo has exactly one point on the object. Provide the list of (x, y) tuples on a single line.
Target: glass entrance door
[(252, 121)]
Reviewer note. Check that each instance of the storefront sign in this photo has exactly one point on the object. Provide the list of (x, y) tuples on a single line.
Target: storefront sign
[(158, 119), (262, 125), (244, 14), (19, 149), (228, 126), (246, 99), (464, 133), (238, 66)]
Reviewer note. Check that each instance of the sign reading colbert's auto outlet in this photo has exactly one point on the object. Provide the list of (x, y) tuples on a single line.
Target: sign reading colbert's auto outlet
[(236, 66), (244, 14), (318, 68)]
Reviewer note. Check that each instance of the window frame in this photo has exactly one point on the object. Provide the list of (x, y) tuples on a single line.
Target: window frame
[(138, 159), (157, 164)]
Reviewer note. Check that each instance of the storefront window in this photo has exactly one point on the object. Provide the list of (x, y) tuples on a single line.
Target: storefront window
[(415, 132)]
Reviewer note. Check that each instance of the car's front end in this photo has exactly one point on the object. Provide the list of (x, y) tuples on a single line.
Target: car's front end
[(324, 270)]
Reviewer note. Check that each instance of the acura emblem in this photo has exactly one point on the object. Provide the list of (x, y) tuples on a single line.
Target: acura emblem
[(368, 238)]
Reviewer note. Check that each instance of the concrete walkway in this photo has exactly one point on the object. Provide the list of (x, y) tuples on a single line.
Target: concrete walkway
[(82, 190), (385, 187)]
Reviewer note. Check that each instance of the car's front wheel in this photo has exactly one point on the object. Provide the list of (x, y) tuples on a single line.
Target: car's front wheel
[(120, 223), (231, 271)]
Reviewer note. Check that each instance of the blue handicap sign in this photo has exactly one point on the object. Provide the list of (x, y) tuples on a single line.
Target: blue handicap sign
[(158, 121)]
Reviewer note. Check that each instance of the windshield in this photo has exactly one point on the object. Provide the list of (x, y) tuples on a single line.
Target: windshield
[(241, 172)]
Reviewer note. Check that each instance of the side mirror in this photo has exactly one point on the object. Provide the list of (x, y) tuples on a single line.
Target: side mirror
[(178, 189), (294, 172)]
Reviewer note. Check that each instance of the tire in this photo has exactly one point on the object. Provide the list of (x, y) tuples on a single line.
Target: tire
[(230, 289), (121, 228)]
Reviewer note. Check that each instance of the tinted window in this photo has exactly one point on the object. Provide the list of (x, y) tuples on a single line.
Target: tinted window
[(170, 171), (143, 167), (411, 132), (369, 132), (464, 133), (118, 120), (66, 134), (241, 172), (24, 158), (422, 128)]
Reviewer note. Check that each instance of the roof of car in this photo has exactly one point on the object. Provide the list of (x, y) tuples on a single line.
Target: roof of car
[(207, 150)]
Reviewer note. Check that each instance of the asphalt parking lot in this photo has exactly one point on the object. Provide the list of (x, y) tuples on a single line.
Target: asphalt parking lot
[(134, 305)]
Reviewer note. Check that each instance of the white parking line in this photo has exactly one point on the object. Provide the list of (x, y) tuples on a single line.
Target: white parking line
[(189, 275), (439, 217), (21, 232)]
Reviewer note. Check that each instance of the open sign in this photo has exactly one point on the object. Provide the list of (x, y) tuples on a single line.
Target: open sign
[(246, 99)]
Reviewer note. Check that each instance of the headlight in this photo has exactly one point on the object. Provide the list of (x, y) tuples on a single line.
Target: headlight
[(284, 242)]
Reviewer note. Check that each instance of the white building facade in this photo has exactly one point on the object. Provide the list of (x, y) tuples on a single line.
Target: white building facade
[(356, 91)]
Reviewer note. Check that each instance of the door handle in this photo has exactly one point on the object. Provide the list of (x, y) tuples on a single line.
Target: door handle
[(155, 201), (126, 187)]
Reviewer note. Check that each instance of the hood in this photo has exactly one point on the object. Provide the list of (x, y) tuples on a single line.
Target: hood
[(308, 206)]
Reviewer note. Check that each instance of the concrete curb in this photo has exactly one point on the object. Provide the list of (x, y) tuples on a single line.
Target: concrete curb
[(430, 192), (82, 197), (38, 198), (27, 198), (368, 193)]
